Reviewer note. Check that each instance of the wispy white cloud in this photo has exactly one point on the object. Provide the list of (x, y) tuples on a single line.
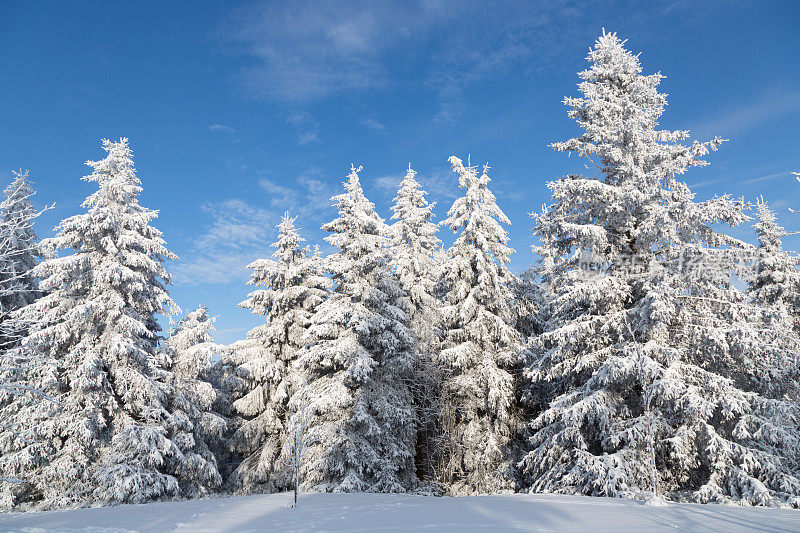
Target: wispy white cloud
[(221, 128), (309, 198), (389, 184), (279, 195), (236, 224), (786, 174), (373, 124), (239, 231), (317, 204), (304, 124), (706, 183), (741, 118), (229, 332), (300, 51)]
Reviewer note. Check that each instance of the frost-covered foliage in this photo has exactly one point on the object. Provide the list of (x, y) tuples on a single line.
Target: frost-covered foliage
[(185, 367), (109, 436), (290, 288), (480, 346), (358, 360), (19, 254), (416, 250), (647, 340), (529, 304)]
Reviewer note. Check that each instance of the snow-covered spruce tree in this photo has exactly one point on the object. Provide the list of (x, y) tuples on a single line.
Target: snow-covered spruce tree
[(776, 284), (480, 346), (416, 260), (19, 253), (416, 250), (185, 364), (647, 341), (358, 360), (290, 288), (108, 437)]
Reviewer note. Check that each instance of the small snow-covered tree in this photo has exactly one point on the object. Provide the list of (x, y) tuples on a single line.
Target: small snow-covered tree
[(776, 283), (416, 261), (290, 288), (358, 360), (480, 346), (774, 287), (108, 437), (184, 366), (649, 348)]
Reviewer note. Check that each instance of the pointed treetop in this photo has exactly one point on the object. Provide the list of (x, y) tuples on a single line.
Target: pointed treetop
[(20, 186), (410, 196), (289, 240), (768, 231), (608, 48), (352, 177)]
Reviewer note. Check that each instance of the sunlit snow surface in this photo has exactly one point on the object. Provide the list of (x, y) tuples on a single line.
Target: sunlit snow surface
[(391, 512)]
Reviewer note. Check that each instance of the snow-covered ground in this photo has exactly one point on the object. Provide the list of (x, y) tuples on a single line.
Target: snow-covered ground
[(390, 512)]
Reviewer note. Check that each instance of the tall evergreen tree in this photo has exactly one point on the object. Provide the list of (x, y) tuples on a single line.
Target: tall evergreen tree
[(480, 347), (416, 261), (644, 377), (290, 288), (359, 358), (109, 436)]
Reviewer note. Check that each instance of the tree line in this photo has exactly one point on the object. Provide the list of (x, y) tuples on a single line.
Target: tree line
[(646, 353)]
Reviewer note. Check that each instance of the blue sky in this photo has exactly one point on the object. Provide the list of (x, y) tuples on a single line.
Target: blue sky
[(238, 111)]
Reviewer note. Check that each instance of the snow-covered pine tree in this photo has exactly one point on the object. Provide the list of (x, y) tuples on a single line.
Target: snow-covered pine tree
[(185, 364), (359, 359), (416, 260), (777, 278), (108, 439), (19, 253), (289, 289), (775, 288), (416, 250), (480, 346), (647, 340)]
